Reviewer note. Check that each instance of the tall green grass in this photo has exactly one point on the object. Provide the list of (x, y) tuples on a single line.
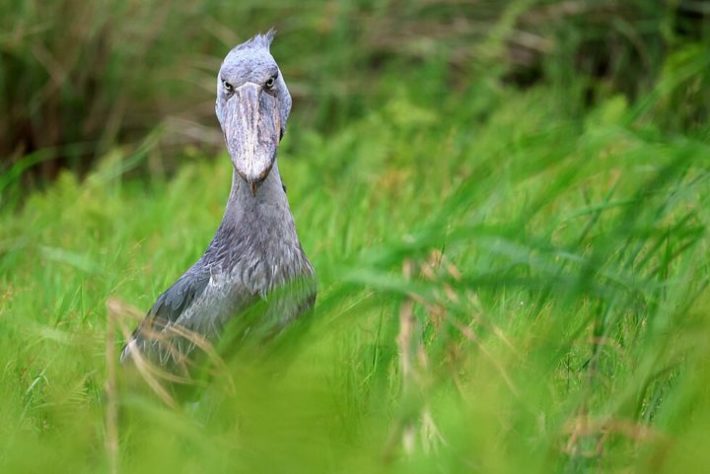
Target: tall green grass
[(506, 204), (77, 78), (506, 286)]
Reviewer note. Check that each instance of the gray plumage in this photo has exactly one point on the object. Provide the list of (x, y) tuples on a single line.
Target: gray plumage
[(255, 251)]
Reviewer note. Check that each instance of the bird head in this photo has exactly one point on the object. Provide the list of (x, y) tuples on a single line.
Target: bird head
[(253, 104)]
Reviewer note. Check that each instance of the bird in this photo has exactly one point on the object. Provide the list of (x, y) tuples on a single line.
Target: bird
[(255, 257)]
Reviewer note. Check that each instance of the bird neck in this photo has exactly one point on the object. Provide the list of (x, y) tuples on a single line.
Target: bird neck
[(269, 193), (257, 235), (264, 209)]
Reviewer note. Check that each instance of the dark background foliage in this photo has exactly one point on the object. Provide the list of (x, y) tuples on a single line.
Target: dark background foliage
[(78, 78)]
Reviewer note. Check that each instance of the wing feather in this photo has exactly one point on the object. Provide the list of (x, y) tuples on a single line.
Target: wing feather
[(169, 306)]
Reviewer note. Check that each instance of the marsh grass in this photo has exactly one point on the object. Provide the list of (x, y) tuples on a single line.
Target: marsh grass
[(77, 78), (521, 293), (510, 280)]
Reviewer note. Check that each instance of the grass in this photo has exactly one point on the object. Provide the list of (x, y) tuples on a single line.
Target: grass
[(506, 285), (77, 78), (506, 204)]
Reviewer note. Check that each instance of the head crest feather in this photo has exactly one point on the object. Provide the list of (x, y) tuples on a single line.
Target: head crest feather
[(260, 40)]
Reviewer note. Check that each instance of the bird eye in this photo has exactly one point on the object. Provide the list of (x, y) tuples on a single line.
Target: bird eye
[(227, 87), (270, 83)]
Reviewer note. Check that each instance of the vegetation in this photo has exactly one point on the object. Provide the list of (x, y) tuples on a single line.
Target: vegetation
[(509, 225)]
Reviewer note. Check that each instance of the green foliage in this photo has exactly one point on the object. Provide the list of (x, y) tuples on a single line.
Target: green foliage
[(552, 270), (506, 204), (77, 77)]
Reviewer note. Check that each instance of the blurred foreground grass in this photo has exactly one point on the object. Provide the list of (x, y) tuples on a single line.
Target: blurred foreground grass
[(510, 281), (506, 286)]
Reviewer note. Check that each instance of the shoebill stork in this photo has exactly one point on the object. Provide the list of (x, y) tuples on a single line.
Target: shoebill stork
[(255, 256)]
